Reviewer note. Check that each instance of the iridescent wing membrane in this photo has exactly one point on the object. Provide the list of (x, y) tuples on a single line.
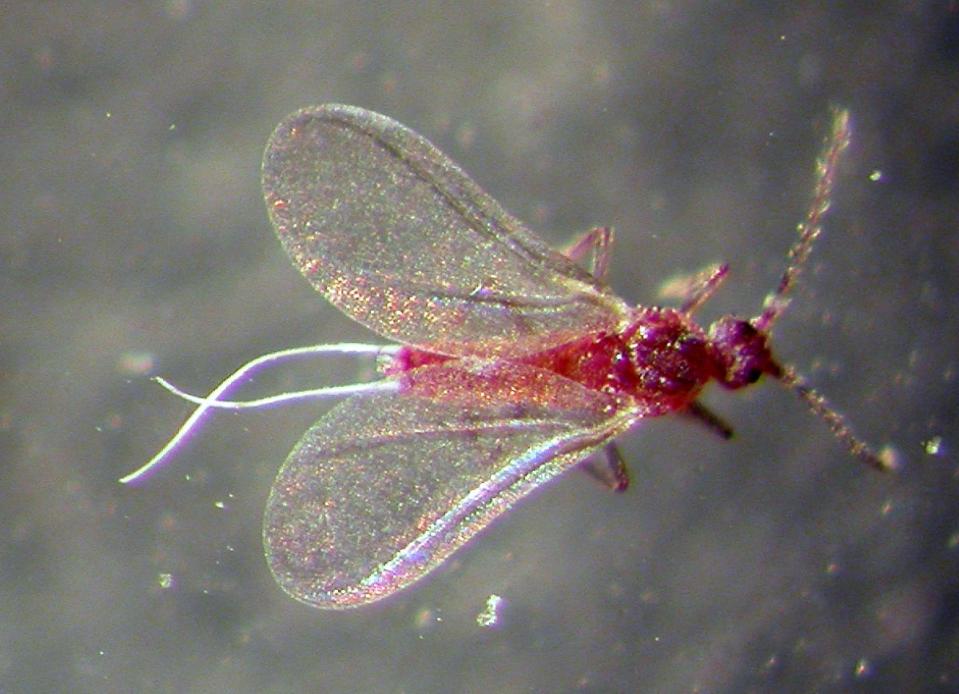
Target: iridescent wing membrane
[(383, 488), (401, 240)]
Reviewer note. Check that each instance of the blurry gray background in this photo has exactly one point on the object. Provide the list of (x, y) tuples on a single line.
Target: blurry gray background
[(133, 241)]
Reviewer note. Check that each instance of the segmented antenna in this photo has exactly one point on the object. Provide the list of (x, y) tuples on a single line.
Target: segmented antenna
[(809, 230), (836, 422), (811, 226)]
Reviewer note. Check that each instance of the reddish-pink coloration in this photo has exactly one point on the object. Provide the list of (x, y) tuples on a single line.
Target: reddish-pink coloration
[(516, 363), (662, 360)]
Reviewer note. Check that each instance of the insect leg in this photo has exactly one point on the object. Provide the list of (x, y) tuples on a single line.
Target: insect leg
[(599, 241), (703, 286), (611, 471), (704, 415)]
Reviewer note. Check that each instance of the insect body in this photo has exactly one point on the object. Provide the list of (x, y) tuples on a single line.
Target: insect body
[(516, 364)]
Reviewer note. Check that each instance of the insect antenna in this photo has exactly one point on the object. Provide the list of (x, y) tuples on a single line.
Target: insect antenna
[(776, 303), (811, 226), (836, 422)]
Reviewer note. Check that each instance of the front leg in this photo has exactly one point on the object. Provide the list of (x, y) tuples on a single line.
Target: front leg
[(695, 290), (702, 414)]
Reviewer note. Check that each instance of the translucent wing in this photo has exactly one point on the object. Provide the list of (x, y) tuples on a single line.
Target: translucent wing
[(404, 242), (383, 489)]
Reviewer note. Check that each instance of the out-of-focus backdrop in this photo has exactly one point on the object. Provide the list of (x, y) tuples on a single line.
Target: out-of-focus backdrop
[(134, 241)]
